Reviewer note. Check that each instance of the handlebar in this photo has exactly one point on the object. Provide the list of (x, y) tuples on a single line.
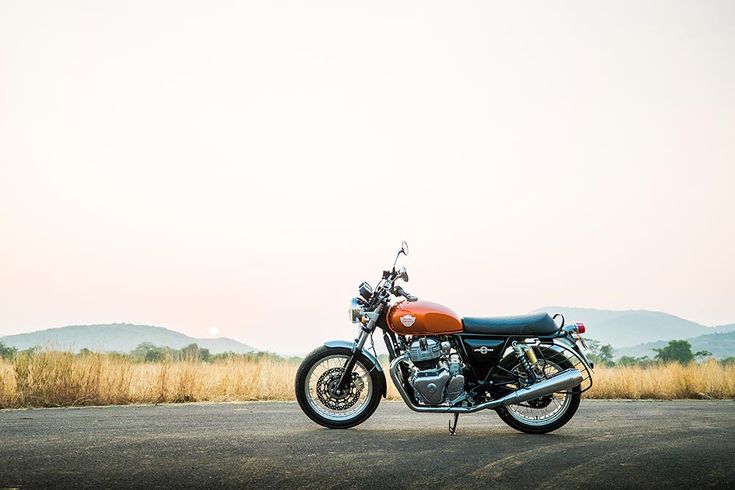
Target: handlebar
[(398, 291)]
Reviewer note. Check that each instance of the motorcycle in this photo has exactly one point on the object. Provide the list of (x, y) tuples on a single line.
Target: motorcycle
[(530, 369)]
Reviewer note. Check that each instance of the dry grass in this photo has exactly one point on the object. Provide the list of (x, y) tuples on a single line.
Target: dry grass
[(709, 379), (49, 379)]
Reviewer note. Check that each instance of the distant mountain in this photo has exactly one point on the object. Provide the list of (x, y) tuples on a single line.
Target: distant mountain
[(117, 337), (718, 344), (632, 327)]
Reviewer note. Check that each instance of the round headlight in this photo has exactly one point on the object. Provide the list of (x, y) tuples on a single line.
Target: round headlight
[(355, 310)]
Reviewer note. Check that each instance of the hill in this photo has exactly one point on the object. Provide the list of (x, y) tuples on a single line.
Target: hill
[(117, 337), (632, 327), (719, 344)]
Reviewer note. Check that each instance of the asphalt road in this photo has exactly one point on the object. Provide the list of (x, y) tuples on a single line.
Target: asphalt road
[(273, 445)]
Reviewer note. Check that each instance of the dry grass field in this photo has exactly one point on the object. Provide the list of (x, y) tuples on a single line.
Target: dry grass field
[(49, 379)]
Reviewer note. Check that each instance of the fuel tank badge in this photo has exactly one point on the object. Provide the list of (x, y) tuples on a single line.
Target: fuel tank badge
[(408, 320)]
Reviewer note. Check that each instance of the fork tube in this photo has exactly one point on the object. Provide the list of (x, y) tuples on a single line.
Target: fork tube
[(350, 364), (365, 331)]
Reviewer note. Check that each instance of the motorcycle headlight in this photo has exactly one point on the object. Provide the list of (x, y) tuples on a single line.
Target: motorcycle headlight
[(355, 310)]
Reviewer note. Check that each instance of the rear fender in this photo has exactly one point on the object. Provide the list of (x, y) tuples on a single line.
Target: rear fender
[(570, 344), (370, 357)]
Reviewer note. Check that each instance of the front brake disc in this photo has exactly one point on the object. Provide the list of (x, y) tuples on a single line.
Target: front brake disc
[(327, 385)]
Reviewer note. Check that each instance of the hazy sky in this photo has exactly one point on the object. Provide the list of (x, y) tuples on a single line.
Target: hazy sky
[(245, 165)]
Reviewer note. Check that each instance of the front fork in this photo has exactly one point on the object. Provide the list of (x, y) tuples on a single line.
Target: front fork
[(350, 364), (365, 331)]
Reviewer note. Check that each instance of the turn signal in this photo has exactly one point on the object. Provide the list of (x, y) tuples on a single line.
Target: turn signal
[(580, 327)]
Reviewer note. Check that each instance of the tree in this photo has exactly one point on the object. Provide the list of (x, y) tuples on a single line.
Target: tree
[(633, 361), (204, 354), (677, 351), (702, 354), (190, 352), (7, 352), (148, 352), (606, 354), (600, 354), (193, 352)]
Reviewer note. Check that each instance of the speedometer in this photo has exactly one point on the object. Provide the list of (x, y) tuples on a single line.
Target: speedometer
[(366, 291)]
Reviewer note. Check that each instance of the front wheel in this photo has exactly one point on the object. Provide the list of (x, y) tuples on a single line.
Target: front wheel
[(318, 394)]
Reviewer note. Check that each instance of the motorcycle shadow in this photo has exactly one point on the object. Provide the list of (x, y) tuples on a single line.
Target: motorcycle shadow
[(433, 434)]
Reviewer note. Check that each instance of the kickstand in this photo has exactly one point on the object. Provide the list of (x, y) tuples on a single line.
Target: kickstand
[(453, 425)]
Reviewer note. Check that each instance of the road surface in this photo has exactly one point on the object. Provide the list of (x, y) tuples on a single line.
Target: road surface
[(676, 444)]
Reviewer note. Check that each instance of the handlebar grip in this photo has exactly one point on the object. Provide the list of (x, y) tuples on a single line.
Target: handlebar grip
[(398, 291)]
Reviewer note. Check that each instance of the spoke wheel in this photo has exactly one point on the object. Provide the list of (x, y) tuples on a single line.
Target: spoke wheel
[(319, 395), (324, 395), (545, 410), (544, 414)]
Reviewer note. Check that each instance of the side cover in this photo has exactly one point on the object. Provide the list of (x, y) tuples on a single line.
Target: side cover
[(483, 352)]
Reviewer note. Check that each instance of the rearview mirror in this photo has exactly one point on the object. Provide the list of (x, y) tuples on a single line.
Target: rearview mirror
[(403, 250)]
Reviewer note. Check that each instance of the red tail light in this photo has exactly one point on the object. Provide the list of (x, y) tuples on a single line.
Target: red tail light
[(580, 327)]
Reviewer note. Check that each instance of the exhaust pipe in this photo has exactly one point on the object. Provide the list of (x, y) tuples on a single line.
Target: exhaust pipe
[(563, 381), (559, 382)]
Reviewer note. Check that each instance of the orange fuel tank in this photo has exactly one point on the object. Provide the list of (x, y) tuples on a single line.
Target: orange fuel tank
[(423, 318)]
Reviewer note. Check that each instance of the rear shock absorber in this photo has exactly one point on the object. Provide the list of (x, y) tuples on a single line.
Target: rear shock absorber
[(527, 358)]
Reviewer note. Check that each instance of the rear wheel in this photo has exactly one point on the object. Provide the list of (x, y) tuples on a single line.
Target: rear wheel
[(318, 393), (544, 414)]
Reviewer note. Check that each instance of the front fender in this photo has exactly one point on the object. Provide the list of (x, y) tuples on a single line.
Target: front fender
[(369, 355)]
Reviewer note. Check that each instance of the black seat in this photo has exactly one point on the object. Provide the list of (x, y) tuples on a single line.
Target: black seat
[(533, 324)]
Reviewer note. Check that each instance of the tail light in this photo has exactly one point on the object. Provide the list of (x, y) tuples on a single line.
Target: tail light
[(575, 328)]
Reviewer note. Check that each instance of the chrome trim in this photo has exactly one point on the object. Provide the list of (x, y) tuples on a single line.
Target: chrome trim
[(565, 347), (563, 381), (569, 345), (356, 310), (360, 340)]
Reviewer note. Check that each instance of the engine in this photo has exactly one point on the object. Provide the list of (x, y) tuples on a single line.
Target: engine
[(436, 376)]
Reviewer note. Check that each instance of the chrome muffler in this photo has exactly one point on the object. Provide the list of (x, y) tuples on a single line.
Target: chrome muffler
[(563, 381)]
